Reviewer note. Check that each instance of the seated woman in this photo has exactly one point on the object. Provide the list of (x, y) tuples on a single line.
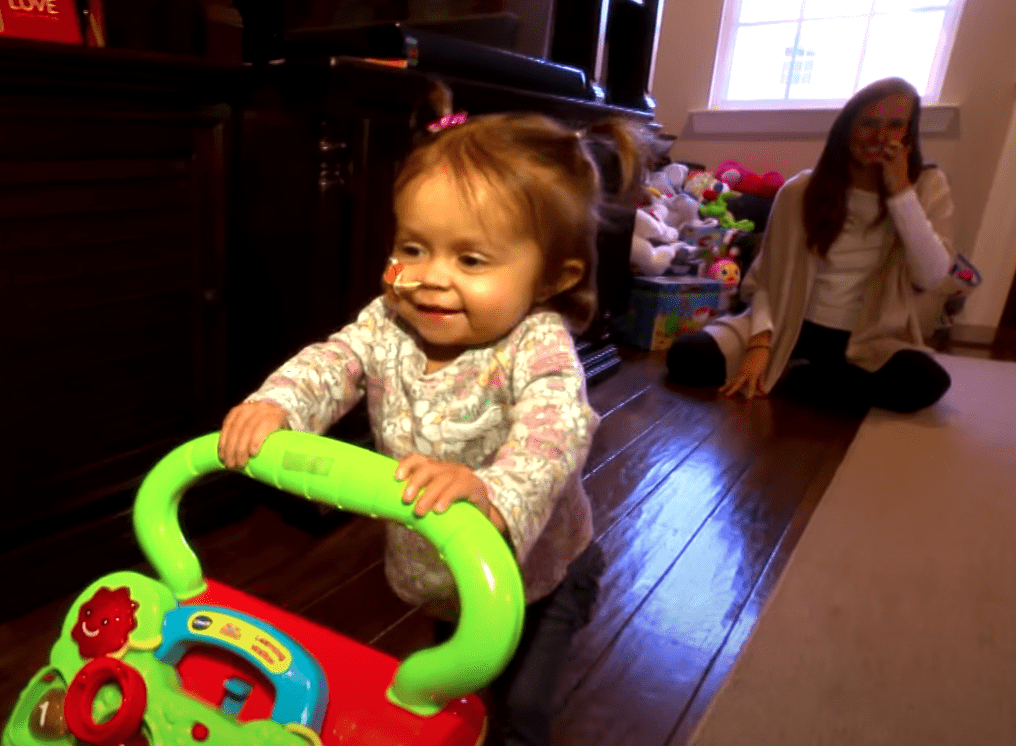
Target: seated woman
[(831, 292)]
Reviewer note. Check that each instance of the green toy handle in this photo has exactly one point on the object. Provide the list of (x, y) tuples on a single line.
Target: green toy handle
[(353, 479)]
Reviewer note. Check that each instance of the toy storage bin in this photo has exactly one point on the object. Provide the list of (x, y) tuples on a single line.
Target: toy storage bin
[(661, 308)]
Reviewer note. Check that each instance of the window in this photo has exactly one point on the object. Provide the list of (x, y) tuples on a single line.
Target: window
[(816, 53)]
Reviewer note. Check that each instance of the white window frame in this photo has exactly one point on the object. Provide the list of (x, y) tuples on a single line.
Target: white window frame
[(724, 52), (941, 120)]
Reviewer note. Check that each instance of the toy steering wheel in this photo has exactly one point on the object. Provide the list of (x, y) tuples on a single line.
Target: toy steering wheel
[(353, 479), (82, 691)]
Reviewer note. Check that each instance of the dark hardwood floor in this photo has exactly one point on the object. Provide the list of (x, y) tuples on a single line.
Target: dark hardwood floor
[(698, 502)]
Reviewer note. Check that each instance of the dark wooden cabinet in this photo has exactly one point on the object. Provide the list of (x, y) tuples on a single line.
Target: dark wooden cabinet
[(112, 241), (316, 153)]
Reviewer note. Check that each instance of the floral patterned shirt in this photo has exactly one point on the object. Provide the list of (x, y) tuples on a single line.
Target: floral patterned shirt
[(514, 411)]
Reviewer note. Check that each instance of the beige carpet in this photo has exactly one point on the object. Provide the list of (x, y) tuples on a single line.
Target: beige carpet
[(895, 619)]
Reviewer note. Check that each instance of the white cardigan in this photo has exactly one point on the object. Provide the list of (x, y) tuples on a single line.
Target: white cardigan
[(779, 282)]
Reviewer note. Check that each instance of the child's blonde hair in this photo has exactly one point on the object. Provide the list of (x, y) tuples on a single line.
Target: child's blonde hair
[(549, 180)]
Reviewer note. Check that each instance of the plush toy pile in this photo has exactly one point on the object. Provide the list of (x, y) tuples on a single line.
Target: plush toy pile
[(685, 224)]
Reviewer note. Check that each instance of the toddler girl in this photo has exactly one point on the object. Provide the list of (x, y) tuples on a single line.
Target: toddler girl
[(471, 376)]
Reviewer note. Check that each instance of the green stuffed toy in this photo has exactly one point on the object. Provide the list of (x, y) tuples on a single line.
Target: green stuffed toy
[(717, 208)]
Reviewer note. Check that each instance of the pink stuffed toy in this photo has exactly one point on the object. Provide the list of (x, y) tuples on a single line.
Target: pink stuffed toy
[(726, 272), (740, 179)]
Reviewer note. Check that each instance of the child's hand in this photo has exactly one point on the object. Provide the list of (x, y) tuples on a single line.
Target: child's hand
[(435, 485), (245, 429)]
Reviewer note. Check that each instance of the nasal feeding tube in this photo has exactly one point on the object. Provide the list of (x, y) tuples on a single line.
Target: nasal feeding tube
[(393, 277)]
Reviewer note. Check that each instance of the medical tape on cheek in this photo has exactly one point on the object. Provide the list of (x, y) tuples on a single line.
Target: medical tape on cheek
[(393, 277)]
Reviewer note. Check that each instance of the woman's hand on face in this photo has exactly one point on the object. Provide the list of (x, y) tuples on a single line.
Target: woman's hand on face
[(749, 376), (245, 429), (894, 166), (435, 485)]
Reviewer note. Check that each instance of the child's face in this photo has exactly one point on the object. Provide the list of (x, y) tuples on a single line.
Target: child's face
[(477, 279)]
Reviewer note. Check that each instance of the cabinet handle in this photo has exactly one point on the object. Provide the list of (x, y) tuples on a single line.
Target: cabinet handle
[(334, 163)]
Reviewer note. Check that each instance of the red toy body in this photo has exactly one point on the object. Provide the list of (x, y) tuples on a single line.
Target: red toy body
[(358, 677)]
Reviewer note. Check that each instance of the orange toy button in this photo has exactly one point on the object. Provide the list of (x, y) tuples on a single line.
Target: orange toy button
[(47, 720)]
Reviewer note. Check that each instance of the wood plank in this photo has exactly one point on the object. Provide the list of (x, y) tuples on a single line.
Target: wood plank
[(626, 424), (629, 380), (126, 284), (46, 268), (56, 199), (326, 566), (68, 232), (724, 659), (412, 632), (643, 545), (637, 690), (262, 544), (363, 608), (615, 483)]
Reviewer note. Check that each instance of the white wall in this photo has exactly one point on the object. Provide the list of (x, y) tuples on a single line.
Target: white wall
[(994, 252), (980, 81)]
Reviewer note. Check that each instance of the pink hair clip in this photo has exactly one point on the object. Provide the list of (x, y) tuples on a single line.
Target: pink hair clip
[(448, 120)]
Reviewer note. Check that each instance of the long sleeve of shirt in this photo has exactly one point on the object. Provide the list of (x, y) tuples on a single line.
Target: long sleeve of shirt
[(551, 429), (324, 380), (926, 234)]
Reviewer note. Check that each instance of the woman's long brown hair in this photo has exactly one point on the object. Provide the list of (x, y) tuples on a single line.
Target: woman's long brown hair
[(825, 198)]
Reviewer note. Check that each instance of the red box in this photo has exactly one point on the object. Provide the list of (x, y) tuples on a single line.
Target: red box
[(42, 20)]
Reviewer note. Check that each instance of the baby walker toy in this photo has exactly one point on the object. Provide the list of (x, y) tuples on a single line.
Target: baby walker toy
[(187, 660)]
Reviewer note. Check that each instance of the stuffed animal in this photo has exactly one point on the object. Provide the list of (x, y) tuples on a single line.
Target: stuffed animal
[(650, 225), (663, 197), (685, 262), (717, 208), (740, 179), (699, 181), (674, 209), (683, 211), (659, 181), (648, 259), (653, 241), (722, 267), (725, 271), (677, 173)]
